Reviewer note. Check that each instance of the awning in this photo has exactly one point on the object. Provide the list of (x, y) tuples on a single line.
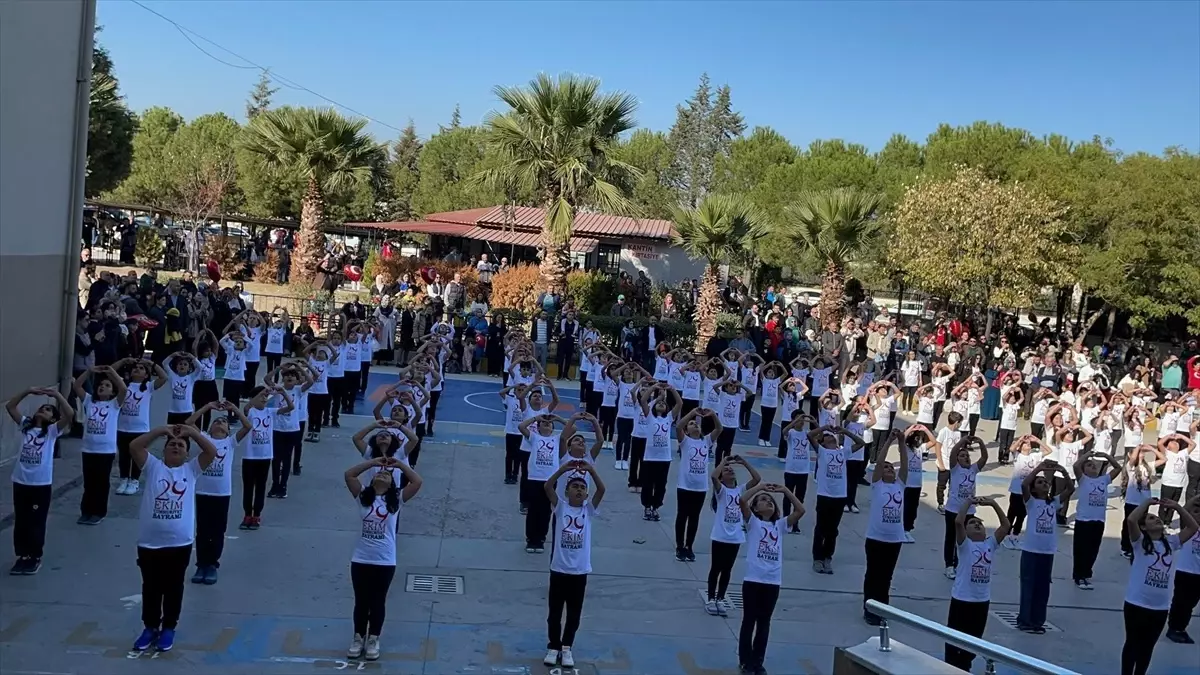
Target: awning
[(531, 239), (447, 229)]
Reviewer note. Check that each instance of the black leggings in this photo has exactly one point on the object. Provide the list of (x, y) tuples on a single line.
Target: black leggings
[(825, 532), (882, 557), (212, 519), (251, 374), (1187, 594), (724, 555), (31, 507), (371, 584), (906, 397), (654, 483), (764, 427), (348, 392), (798, 484), (725, 442), (624, 438), (125, 464), (566, 591), (97, 468), (1143, 627), (758, 604), (284, 446), (537, 517), (512, 455), (364, 374), (950, 542), (965, 617), (1004, 440), (687, 516), (318, 410), (855, 470), (744, 411), (1016, 512), (608, 420), (1174, 494), (912, 503), (273, 360), (431, 414), (254, 485), (232, 390), (635, 461), (331, 413), (163, 570)]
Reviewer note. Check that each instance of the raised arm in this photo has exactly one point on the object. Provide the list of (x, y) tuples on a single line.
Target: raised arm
[(139, 448), (1135, 516), (353, 482)]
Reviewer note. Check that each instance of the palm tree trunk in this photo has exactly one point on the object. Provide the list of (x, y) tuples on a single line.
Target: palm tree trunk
[(310, 244), (833, 288), (707, 307), (556, 262)]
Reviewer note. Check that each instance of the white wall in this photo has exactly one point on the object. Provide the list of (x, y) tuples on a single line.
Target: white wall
[(660, 262), (39, 54)]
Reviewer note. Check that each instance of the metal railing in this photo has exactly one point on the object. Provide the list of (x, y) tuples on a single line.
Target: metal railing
[(990, 651)]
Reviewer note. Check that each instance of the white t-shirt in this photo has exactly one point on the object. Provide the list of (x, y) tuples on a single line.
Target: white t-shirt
[(1041, 535), (961, 407), (275, 340), (1150, 578), (764, 552), (797, 459), (337, 366), (916, 464), (925, 406), (658, 443), (1188, 559), (820, 382), (662, 368), (181, 391), (887, 512), (610, 390), (35, 462), (320, 374), (626, 406), (858, 428), (641, 423), (1008, 416), (712, 395), (973, 582), (572, 526), (235, 360), (291, 420), (727, 524), (260, 440), (1174, 473), (728, 407), (100, 425), (206, 369), (543, 458), (693, 472), (911, 370), (514, 414), (749, 378), (961, 488), (1040, 408), (883, 413), (675, 375), (168, 509), (253, 344), (974, 399), (135, 410), (376, 543), (216, 480), (770, 392), (1092, 502), (351, 349), (692, 382), (1138, 491), (948, 438), (1023, 465), (831, 472)]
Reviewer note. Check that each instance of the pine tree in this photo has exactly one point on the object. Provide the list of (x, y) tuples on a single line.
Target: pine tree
[(456, 118), (704, 129), (725, 123), (406, 173), (260, 97)]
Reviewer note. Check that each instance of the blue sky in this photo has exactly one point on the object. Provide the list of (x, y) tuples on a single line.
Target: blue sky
[(861, 71)]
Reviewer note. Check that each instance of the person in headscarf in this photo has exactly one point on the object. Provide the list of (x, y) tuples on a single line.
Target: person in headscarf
[(387, 316)]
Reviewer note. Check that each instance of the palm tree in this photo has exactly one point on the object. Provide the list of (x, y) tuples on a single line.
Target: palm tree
[(835, 226), (716, 231), (555, 142), (327, 150)]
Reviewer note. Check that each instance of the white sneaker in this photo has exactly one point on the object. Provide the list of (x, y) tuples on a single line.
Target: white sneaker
[(551, 657), (616, 465), (122, 486), (372, 651), (951, 573), (568, 659), (853, 508), (624, 465), (941, 509), (134, 487), (711, 607), (782, 460), (908, 538), (356, 647), (871, 467), (1010, 543)]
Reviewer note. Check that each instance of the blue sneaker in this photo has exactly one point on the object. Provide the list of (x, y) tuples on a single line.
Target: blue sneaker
[(145, 640), (166, 640)]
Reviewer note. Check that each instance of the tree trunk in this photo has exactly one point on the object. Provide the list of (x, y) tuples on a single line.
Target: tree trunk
[(1112, 324), (1081, 331), (310, 241), (833, 288), (707, 307), (555, 263)]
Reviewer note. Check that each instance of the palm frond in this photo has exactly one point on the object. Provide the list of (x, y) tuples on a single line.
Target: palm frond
[(836, 225)]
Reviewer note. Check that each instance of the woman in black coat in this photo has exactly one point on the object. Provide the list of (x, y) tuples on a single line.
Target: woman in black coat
[(495, 345)]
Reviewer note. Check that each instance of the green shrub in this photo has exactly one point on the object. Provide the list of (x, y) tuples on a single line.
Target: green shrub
[(516, 288), (149, 249), (594, 292)]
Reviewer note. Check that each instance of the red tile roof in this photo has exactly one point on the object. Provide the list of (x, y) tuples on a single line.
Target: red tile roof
[(448, 229), (520, 238), (530, 218), (466, 217)]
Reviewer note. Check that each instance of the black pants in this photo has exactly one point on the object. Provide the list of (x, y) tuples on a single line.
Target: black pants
[(825, 532), (972, 422), (364, 374), (688, 505), (608, 420), (273, 360), (431, 414), (950, 541), (1086, 547), (725, 442), (125, 464), (178, 417), (636, 456), (943, 479), (1004, 440), (212, 519), (254, 485), (299, 449), (284, 446), (1037, 429), (251, 375), (764, 426), (758, 604), (654, 483), (512, 455), (537, 518), (1174, 494), (318, 411), (349, 389), (881, 565), (938, 406), (724, 555), (31, 506), (1187, 594), (594, 399), (855, 470), (331, 413), (912, 503), (688, 406), (744, 412), (1193, 472), (97, 468), (906, 397), (1143, 627), (371, 584), (163, 570), (783, 441), (624, 438), (231, 390), (965, 617), (1126, 545), (879, 442), (1061, 484), (563, 356), (203, 393), (585, 390), (1016, 512), (798, 484), (566, 591)]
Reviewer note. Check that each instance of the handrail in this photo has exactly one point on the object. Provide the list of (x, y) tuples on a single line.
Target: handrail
[(988, 650)]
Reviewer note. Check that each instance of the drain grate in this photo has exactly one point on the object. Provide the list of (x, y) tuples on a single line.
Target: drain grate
[(432, 583), (733, 598), (1010, 619)]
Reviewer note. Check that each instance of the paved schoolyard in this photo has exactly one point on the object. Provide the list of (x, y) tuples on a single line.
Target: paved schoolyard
[(284, 599)]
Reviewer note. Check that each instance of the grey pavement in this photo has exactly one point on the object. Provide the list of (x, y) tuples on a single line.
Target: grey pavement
[(284, 599)]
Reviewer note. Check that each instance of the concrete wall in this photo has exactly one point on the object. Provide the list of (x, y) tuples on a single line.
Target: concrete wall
[(660, 262), (39, 53)]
